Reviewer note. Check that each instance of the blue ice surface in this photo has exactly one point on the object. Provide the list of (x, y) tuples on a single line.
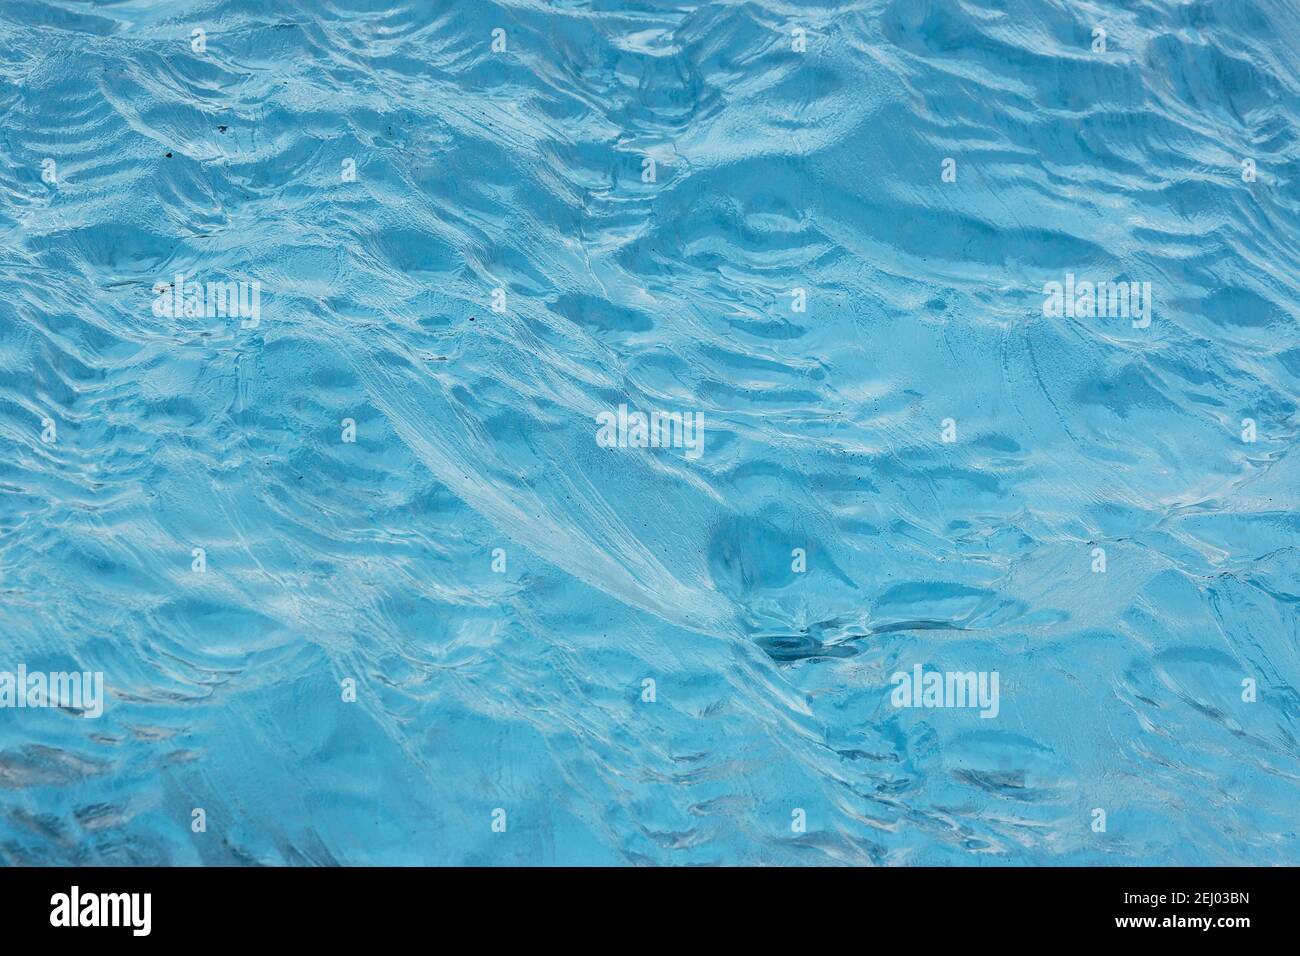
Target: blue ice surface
[(515, 679)]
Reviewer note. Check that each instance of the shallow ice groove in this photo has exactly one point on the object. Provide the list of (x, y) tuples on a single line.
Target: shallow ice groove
[(521, 687)]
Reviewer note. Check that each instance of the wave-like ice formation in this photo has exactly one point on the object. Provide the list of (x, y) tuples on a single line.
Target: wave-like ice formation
[(827, 229)]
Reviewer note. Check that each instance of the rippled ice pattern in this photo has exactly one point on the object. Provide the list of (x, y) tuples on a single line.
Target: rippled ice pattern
[(522, 690)]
